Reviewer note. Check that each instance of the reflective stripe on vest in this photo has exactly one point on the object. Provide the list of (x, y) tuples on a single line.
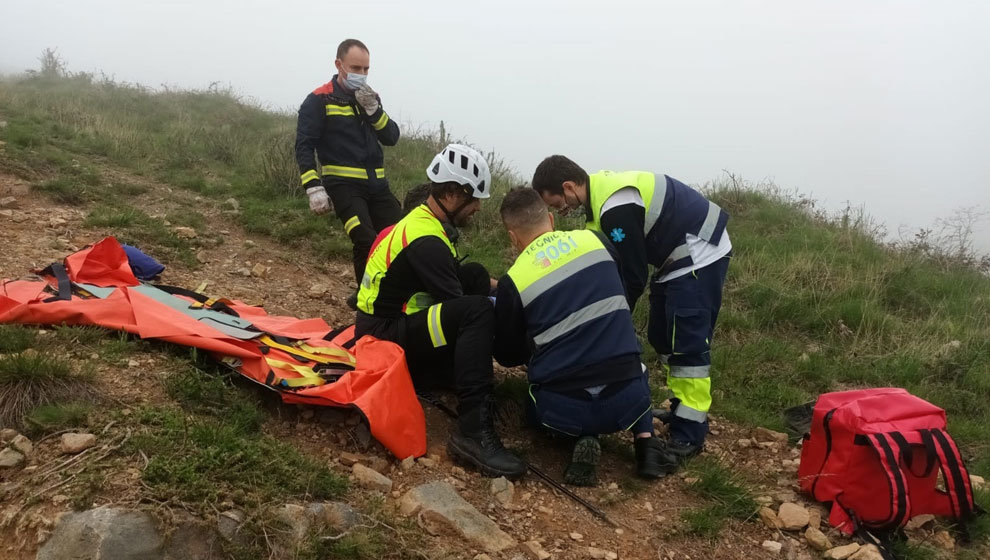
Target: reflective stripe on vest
[(551, 259), (352, 172), (604, 184), (420, 222)]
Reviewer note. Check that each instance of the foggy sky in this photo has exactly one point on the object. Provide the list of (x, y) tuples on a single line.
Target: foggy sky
[(881, 104)]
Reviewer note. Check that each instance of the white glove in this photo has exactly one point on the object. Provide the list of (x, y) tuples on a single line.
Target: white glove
[(319, 202), (367, 99)]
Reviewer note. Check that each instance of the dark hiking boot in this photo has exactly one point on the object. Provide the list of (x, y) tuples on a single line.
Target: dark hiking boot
[(663, 415), (683, 451), (477, 443), (352, 301), (652, 458), (583, 468)]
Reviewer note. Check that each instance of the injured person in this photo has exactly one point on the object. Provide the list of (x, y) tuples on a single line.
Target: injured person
[(561, 309)]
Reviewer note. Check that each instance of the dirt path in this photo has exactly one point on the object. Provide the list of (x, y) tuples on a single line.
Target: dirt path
[(36, 232)]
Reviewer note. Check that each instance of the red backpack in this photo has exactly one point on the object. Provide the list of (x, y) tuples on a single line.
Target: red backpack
[(876, 454)]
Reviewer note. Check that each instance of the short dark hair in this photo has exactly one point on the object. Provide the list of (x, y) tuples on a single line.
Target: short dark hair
[(441, 190), (416, 196), (553, 171), (522, 208), (346, 45)]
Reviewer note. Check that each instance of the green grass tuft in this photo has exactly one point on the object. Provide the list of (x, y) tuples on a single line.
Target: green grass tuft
[(53, 417), (16, 338), (30, 379), (716, 483)]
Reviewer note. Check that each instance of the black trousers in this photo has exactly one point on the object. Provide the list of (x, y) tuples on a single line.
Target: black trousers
[(447, 346), (365, 208)]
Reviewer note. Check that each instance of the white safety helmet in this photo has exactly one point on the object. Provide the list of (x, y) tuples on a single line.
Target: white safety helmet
[(463, 165)]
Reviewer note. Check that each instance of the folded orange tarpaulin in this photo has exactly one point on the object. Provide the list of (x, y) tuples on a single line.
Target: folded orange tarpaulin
[(379, 384)]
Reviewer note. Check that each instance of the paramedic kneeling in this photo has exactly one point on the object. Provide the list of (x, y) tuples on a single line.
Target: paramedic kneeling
[(562, 309)]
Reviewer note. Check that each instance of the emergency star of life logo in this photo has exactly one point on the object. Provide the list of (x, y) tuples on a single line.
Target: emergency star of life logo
[(617, 235), (541, 260)]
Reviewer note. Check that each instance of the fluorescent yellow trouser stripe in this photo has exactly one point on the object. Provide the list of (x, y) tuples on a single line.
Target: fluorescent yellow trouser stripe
[(380, 123), (309, 376), (340, 111), (309, 176), (267, 340), (351, 224), (351, 172), (436, 329), (694, 392)]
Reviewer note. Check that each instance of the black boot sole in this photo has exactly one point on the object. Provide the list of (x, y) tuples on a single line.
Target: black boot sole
[(464, 458)]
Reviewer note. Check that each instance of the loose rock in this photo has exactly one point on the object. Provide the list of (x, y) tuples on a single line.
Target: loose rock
[(296, 520), (815, 518), (867, 552), (769, 518), (408, 463), (445, 505), (919, 521), (348, 459), (761, 434), (977, 481), (8, 202), (596, 553), (10, 458), (74, 443), (22, 444), (534, 550), (7, 434), (228, 522), (817, 539), (772, 546), (576, 536), (503, 490), (370, 478), (104, 533), (185, 232), (340, 516), (259, 271), (944, 540), (792, 516), (842, 552)]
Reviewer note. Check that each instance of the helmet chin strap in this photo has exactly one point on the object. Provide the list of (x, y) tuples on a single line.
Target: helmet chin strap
[(450, 215)]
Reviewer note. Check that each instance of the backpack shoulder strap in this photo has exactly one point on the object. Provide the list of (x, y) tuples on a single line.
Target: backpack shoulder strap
[(957, 483), (889, 452)]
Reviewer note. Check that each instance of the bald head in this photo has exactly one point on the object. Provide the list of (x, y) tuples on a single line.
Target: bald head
[(525, 216)]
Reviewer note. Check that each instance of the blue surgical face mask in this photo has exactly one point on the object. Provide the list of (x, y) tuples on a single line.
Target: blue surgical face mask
[(355, 81)]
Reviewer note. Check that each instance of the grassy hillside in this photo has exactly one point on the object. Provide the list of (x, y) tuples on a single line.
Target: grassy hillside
[(812, 304)]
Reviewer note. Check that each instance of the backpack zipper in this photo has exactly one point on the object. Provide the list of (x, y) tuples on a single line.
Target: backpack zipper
[(828, 447)]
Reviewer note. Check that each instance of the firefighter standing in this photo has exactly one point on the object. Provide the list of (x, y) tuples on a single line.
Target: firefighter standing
[(657, 220), (344, 125)]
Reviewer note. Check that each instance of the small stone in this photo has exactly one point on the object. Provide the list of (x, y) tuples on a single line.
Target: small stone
[(437, 504), (534, 550), (611, 556), (426, 462), (57, 222), (203, 257), (817, 539), (792, 516), (764, 500), (233, 204), (317, 290), (259, 270), (596, 553), (815, 518), (408, 463), (761, 434), (842, 552), (977, 482), (944, 540), (691, 480), (348, 459), (8, 202), (248, 243), (10, 458), (772, 546), (648, 506), (919, 521), (867, 552), (185, 232), (503, 490), (76, 442), (458, 471), (576, 537), (769, 518), (613, 486), (22, 444), (370, 478), (744, 443), (243, 271), (132, 363)]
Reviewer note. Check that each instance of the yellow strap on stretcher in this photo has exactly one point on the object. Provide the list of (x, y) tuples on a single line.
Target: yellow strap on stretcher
[(317, 354), (309, 376)]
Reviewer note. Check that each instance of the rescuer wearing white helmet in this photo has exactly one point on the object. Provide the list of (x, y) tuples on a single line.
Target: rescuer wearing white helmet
[(414, 293)]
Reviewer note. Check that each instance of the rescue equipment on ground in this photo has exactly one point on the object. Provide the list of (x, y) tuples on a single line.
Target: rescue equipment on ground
[(304, 360), (878, 456)]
